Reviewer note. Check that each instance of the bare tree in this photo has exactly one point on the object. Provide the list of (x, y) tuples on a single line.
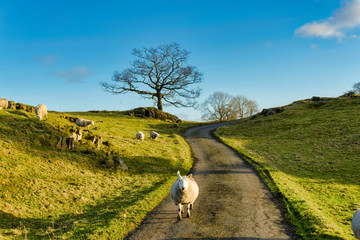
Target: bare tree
[(240, 106), (356, 88), (160, 74), (244, 107), (218, 107), (252, 107)]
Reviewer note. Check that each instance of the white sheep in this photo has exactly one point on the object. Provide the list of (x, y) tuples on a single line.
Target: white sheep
[(140, 136), (83, 122), (3, 103), (154, 135), (184, 191), (41, 111), (355, 224)]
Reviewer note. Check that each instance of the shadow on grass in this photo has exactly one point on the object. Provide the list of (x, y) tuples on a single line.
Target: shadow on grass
[(80, 226), (20, 113), (141, 165)]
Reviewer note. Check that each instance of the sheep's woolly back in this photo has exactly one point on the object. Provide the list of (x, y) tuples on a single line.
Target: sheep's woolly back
[(41, 111), (185, 197), (3, 103), (140, 136), (154, 135), (355, 224), (83, 122)]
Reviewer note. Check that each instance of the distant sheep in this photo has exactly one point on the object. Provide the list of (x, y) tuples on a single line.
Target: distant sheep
[(83, 122), (154, 135), (3, 103), (41, 111), (355, 224), (140, 136), (184, 191)]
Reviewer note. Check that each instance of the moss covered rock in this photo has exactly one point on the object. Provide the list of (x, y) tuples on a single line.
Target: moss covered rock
[(151, 112)]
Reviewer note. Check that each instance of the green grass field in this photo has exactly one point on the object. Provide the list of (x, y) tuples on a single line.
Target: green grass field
[(310, 154), (47, 193)]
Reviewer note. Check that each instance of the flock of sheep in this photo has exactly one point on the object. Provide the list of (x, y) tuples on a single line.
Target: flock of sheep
[(141, 136), (184, 191)]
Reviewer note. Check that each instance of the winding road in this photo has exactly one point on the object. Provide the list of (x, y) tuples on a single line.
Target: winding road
[(233, 202)]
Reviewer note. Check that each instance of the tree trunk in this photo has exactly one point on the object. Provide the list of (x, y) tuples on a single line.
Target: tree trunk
[(159, 102)]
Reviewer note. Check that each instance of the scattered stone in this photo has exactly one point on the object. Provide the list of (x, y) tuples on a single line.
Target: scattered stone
[(71, 143), (119, 163), (27, 108), (71, 119), (12, 105)]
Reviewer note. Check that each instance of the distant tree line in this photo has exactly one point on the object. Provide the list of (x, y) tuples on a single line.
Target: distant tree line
[(221, 106)]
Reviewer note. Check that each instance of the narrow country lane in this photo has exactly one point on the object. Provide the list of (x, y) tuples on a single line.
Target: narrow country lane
[(233, 203)]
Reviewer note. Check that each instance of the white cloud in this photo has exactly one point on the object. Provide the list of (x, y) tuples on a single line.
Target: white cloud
[(75, 75), (343, 19)]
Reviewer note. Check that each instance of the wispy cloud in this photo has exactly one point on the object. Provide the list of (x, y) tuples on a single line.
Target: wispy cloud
[(342, 20), (75, 75), (314, 46), (47, 61)]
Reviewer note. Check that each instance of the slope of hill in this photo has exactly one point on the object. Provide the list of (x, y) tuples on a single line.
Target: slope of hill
[(309, 153), (51, 193)]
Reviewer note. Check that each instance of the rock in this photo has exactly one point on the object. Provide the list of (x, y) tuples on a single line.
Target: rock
[(61, 144), (316, 99), (151, 112), (119, 163), (97, 140), (71, 143), (12, 105), (27, 108), (267, 112)]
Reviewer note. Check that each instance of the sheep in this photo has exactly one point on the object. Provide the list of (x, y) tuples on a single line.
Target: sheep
[(83, 122), (184, 191), (140, 136), (41, 111), (355, 224), (3, 103), (154, 135)]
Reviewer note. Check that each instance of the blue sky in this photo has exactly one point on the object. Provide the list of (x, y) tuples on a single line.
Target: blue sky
[(273, 52)]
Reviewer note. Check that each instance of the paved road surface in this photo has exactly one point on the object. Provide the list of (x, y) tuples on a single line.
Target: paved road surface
[(233, 202)]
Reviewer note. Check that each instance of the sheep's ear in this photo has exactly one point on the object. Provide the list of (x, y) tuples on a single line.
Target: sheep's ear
[(178, 173), (189, 176)]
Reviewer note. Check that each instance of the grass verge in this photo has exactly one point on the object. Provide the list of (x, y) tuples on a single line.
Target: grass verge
[(308, 154)]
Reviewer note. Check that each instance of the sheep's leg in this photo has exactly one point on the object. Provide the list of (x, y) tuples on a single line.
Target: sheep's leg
[(188, 210), (191, 206), (180, 210)]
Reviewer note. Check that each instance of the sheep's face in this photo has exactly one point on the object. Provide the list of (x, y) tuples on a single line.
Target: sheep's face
[(183, 183), (92, 122)]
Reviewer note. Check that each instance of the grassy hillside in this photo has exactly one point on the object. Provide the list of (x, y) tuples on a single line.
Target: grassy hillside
[(46, 193), (310, 154)]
